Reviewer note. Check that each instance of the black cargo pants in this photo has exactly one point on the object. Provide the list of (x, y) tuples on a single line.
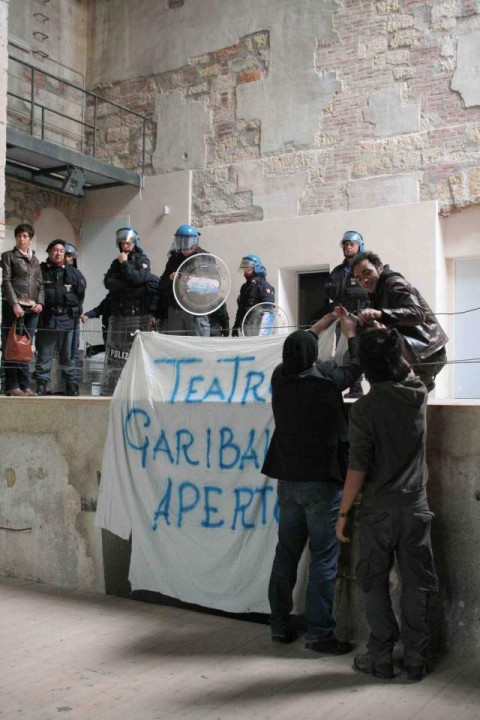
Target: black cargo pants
[(404, 533)]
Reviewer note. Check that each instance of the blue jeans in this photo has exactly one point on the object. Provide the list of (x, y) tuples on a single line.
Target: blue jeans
[(308, 511), (55, 335), (17, 374)]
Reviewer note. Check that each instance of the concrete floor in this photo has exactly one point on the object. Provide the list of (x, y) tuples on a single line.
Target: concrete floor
[(77, 656)]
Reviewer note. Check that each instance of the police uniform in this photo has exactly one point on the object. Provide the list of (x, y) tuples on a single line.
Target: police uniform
[(254, 291)]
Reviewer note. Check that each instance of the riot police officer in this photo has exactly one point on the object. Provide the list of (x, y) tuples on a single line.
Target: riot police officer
[(172, 317), (131, 288), (255, 289), (341, 288)]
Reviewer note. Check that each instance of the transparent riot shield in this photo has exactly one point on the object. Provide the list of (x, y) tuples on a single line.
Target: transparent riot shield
[(202, 284), (266, 319)]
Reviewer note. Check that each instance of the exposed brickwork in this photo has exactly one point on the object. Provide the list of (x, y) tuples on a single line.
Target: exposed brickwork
[(24, 203), (407, 46), (211, 78), (401, 45)]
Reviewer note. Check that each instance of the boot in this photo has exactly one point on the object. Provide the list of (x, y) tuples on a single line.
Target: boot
[(72, 389), (41, 387)]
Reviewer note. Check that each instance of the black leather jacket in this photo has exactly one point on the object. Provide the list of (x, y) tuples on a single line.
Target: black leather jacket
[(403, 307), (21, 278)]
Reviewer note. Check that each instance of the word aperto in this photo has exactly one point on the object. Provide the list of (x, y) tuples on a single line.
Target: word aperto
[(237, 381), (222, 448), (210, 506)]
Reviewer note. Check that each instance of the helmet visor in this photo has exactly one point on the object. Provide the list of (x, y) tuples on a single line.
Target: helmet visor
[(247, 262), (127, 235), (185, 242)]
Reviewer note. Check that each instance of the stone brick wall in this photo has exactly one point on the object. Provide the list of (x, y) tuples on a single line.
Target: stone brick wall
[(325, 106), (24, 203), (400, 122)]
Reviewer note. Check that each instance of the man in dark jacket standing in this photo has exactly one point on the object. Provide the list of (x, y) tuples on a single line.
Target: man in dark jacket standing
[(255, 290), (388, 465), (132, 291), (308, 456), (394, 302), (64, 293)]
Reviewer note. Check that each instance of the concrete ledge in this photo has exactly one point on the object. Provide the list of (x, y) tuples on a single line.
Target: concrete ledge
[(50, 461)]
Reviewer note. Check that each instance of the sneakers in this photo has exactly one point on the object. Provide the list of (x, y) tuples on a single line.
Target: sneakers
[(72, 389), (289, 635), (381, 669), (41, 388), (15, 392), (329, 645)]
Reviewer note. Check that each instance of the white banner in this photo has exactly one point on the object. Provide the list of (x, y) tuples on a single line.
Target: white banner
[(190, 423)]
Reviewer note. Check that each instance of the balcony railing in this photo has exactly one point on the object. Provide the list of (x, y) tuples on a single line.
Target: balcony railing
[(51, 108)]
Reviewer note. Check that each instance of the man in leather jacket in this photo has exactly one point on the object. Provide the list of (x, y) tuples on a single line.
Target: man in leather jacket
[(64, 289), (394, 302), (22, 301)]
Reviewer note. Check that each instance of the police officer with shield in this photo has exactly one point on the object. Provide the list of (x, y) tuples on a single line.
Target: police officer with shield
[(172, 317), (255, 290)]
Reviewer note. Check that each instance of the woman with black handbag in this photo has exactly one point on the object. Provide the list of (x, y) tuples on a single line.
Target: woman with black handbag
[(22, 302)]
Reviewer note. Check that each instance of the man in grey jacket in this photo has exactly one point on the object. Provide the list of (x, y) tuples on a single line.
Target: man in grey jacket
[(387, 463)]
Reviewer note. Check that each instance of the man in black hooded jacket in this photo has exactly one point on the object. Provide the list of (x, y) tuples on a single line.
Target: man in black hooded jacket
[(308, 456)]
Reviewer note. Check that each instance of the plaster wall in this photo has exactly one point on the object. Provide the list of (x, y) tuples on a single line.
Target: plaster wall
[(49, 483), (107, 210), (48, 491)]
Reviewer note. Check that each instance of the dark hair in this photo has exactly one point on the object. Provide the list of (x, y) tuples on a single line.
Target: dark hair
[(24, 227), (367, 255), (380, 353)]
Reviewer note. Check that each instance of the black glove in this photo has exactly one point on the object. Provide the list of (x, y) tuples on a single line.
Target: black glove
[(225, 331), (235, 332)]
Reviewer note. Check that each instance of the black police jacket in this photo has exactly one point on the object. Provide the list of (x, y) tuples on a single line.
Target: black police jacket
[(341, 288), (166, 297), (128, 284), (64, 289), (254, 291)]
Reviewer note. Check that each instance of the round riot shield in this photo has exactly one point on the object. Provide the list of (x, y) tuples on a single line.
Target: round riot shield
[(202, 284), (265, 319)]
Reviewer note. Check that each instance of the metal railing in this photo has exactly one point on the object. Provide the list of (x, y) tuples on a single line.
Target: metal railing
[(37, 118)]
